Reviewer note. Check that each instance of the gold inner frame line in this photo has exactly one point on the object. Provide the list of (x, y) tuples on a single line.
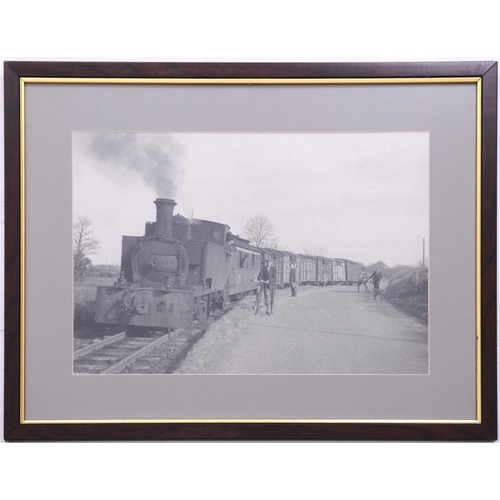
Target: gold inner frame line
[(479, 100), (250, 81)]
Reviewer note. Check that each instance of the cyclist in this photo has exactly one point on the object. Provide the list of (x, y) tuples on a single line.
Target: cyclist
[(265, 276), (376, 277)]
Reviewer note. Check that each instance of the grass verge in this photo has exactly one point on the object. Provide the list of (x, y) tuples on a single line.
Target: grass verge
[(409, 293)]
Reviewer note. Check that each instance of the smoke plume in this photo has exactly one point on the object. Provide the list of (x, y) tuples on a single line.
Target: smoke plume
[(151, 156)]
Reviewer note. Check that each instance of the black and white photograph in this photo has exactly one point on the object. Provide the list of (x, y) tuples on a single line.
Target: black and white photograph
[(251, 253)]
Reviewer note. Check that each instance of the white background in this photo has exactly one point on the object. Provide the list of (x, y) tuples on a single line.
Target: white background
[(260, 31)]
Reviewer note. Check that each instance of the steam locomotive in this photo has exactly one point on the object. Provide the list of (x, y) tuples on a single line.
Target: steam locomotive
[(182, 269)]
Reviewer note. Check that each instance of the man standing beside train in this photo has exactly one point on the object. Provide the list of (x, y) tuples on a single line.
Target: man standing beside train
[(268, 276), (293, 279)]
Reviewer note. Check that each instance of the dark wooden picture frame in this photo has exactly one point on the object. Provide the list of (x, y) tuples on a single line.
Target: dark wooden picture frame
[(485, 429)]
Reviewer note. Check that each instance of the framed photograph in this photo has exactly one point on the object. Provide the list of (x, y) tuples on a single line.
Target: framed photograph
[(250, 251)]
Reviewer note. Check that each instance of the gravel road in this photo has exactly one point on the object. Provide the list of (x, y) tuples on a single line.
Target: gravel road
[(331, 330)]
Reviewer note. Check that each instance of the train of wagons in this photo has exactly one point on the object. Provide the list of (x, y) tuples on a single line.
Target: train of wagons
[(183, 269)]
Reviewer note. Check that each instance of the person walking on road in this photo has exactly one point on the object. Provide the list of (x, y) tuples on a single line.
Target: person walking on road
[(293, 279), (376, 276)]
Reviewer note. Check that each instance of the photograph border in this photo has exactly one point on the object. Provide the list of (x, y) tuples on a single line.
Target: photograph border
[(16, 74)]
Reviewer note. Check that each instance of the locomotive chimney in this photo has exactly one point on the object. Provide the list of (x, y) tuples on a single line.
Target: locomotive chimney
[(164, 216)]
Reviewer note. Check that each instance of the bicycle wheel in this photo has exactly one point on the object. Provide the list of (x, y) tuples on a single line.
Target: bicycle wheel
[(257, 303)]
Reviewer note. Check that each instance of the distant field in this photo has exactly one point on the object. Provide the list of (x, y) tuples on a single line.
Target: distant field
[(84, 297), (85, 291)]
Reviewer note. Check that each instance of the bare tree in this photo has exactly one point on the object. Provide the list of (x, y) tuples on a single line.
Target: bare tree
[(260, 231), (83, 246)]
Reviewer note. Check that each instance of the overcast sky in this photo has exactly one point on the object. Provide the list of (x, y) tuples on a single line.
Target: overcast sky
[(362, 196)]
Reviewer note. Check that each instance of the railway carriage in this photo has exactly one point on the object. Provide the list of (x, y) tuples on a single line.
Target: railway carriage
[(245, 264), (324, 271), (288, 258), (345, 271), (266, 254), (338, 270), (352, 271), (308, 271), (280, 262)]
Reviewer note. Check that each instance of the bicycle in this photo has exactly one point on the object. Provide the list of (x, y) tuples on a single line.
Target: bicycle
[(260, 290), (377, 291)]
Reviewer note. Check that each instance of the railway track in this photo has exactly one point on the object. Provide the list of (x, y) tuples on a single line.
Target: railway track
[(122, 353), (114, 354)]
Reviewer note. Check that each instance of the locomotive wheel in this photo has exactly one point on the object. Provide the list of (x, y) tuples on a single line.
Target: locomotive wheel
[(257, 303)]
